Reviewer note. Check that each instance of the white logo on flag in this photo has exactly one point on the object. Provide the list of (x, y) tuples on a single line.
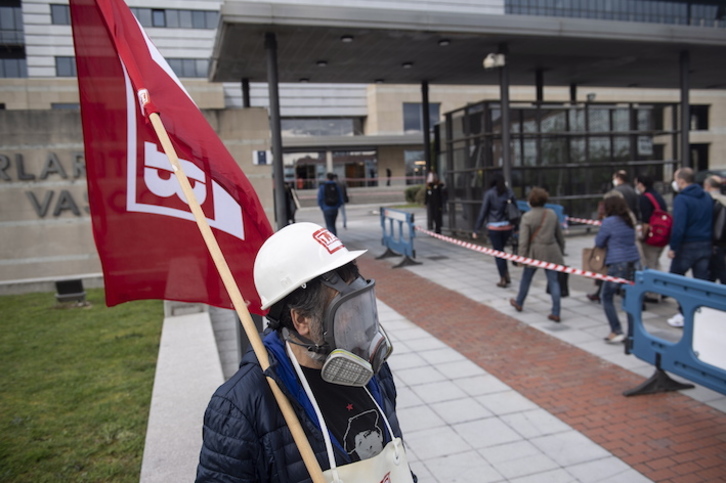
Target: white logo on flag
[(160, 180)]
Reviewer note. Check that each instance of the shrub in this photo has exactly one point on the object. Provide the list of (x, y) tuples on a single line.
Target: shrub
[(416, 194)]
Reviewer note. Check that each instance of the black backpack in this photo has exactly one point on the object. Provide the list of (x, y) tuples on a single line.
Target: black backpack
[(719, 223), (331, 197)]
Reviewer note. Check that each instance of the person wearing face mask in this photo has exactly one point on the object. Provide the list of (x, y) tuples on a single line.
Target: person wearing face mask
[(328, 355), (622, 186), (648, 201), (690, 243)]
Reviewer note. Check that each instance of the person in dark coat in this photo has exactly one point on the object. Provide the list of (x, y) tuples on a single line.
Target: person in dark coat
[(493, 212), (691, 238), (623, 187), (327, 353), (435, 199), (328, 205)]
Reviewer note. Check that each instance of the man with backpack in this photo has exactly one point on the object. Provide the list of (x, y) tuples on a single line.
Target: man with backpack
[(656, 224), (330, 200), (717, 264), (691, 239)]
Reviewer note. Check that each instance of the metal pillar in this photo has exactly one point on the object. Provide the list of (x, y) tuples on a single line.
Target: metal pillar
[(573, 93), (685, 111), (504, 95), (278, 174), (539, 82), (245, 92), (426, 125)]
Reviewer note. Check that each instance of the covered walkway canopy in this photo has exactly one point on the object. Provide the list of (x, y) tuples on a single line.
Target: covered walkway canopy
[(446, 43), (570, 51)]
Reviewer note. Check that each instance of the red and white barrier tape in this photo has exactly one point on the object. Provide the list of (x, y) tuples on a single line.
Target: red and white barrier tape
[(524, 260), (584, 221)]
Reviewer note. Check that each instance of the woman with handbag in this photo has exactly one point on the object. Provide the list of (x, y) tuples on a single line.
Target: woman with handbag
[(496, 212), (617, 235), (540, 238)]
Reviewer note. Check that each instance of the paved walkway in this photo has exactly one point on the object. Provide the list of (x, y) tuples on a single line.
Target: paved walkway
[(487, 394)]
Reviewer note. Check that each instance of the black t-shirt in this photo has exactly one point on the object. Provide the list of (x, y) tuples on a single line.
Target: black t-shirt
[(350, 414)]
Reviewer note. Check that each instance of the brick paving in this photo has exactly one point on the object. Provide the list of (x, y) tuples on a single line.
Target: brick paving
[(667, 437)]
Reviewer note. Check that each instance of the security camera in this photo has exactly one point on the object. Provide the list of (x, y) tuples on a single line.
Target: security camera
[(492, 61)]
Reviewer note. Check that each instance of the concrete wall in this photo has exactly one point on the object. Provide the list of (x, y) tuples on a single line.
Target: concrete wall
[(45, 226)]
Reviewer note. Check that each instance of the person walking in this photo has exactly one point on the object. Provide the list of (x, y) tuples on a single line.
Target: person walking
[(540, 238), (691, 244), (330, 200), (621, 185), (717, 264), (493, 212), (649, 201), (617, 235), (342, 186), (434, 199), (328, 355)]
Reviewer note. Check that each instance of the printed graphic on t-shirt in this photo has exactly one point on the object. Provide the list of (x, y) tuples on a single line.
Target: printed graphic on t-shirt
[(350, 414), (361, 438)]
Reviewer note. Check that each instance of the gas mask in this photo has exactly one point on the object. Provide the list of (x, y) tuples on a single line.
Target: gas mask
[(356, 346)]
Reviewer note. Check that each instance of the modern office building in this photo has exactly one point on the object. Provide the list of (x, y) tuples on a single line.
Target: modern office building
[(359, 82)]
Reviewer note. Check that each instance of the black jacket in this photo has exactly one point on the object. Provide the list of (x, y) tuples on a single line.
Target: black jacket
[(246, 438)]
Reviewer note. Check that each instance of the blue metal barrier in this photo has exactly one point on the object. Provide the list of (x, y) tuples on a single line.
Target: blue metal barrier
[(558, 209), (398, 234), (700, 354)]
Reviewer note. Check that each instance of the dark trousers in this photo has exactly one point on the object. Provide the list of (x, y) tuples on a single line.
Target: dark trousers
[(330, 217), (499, 239)]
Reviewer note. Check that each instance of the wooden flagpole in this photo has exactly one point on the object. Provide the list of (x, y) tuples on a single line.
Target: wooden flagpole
[(311, 463)]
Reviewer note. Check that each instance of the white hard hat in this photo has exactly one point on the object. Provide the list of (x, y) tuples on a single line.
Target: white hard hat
[(294, 255)]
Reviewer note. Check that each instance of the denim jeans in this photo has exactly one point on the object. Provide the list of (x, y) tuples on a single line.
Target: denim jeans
[(622, 270), (694, 256), (499, 239), (552, 281), (330, 217)]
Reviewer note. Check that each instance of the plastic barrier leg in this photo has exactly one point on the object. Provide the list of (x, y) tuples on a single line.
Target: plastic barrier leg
[(388, 254), (658, 382), (406, 262)]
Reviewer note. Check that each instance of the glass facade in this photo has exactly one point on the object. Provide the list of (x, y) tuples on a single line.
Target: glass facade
[(189, 67), (297, 127), (571, 150), (413, 116), (704, 13), (306, 170)]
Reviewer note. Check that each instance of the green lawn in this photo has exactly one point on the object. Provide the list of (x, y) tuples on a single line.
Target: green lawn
[(75, 387)]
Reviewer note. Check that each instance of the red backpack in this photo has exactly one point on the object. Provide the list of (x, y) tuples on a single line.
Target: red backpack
[(661, 224)]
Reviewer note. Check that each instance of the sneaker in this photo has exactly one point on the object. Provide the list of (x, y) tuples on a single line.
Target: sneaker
[(615, 338), (676, 321)]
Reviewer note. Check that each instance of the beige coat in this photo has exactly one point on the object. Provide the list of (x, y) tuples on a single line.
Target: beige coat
[(548, 244)]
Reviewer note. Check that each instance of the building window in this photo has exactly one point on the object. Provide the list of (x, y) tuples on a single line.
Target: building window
[(189, 67), (11, 25), (685, 12), (699, 118), (172, 18), (65, 67), (13, 68), (413, 116), (60, 14), (158, 18), (415, 166), (65, 105), (300, 127)]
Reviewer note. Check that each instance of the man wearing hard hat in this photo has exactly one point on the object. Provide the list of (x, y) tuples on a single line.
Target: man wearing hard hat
[(328, 355)]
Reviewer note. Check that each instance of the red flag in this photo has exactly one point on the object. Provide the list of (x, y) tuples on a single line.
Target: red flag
[(149, 244)]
